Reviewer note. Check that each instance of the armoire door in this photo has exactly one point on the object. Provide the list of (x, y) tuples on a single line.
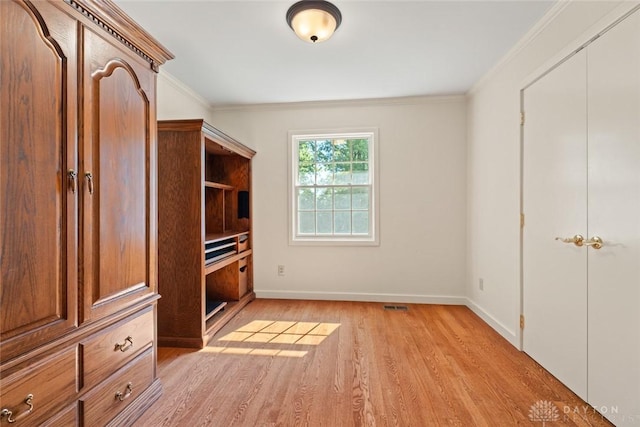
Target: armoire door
[(554, 203), (38, 188), (614, 215), (118, 174)]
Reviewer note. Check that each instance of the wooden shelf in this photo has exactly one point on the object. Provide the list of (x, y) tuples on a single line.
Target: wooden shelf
[(215, 237), (217, 321), (217, 265), (213, 307), (201, 196), (210, 184)]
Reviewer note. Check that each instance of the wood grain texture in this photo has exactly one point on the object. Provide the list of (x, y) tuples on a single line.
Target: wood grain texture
[(180, 235), (196, 161), (430, 366), (78, 95), (38, 267), (118, 149), (52, 382)]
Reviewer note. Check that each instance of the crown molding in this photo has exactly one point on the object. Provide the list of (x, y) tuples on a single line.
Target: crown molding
[(408, 100)]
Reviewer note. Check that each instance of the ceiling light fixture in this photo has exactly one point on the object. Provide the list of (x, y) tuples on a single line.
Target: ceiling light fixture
[(314, 20)]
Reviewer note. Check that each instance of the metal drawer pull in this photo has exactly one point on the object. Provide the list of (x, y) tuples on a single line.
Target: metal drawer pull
[(126, 394), (89, 177), (126, 345), (7, 413), (73, 180)]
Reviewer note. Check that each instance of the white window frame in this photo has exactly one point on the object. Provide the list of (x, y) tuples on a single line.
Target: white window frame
[(373, 236)]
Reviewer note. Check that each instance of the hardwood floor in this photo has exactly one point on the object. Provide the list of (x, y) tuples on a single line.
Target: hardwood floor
[(355, 364)]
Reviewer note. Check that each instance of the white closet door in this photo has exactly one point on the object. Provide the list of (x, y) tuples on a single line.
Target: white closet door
[(614, 215), (555, 205)]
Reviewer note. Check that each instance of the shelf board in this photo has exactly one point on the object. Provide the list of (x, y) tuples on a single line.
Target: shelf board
[(217, 265), (218, 185), (216, 322), (220, 247), (208, 262), (214, 237), (212, 307)]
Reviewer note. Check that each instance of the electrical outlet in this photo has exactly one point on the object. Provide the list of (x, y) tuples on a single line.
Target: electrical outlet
[(481, 284), (281, 270)]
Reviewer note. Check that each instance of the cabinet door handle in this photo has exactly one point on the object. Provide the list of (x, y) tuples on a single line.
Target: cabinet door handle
[(120, 396), (243, 269), (9, 414), (89, 177), (126, 345), (73, 180)]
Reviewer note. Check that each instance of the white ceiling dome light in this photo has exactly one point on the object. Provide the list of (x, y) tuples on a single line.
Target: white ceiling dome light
[(314, 20)]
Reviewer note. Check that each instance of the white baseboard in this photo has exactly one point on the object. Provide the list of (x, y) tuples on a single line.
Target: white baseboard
[(365, 297), (507, 333)]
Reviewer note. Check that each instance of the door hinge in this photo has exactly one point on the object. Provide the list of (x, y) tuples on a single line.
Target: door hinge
[(522, 321), (522, 118), (521, 220)]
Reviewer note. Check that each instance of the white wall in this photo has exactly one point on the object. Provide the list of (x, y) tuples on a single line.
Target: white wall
[(178, 101), (428, 225), (494, 158), (422, 152)]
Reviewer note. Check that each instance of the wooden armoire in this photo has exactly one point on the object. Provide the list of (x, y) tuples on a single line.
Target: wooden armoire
[(78, 224)]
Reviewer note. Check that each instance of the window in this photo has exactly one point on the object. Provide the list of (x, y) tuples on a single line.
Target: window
[(333, 192)]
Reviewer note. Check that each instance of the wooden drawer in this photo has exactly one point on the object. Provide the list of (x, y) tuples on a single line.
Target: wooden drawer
[(243, 274), (51, 382), (106, 352), (243, 243), (66, 418), (110, 398)]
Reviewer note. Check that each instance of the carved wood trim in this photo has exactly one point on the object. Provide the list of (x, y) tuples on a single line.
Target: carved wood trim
[(110, 23)]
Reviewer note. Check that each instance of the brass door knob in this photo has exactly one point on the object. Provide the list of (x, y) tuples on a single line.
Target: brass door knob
[(595, 242), (577, 240)]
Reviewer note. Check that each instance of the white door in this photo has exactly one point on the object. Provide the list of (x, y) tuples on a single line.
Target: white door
[(614, 215), (555, 203)]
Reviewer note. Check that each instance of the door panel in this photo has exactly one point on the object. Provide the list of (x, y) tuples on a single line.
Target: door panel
[(555, 200), (118, 205), (38, 223), (614, 215)]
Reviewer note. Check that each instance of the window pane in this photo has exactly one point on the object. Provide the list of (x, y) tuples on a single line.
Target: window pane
[(324, 150), (306, 199), (360, 173), (307, 222), (306, 151), (325, 225), (342, 197), (360, 222), (343, 173), (324, 199), (306, 174), (359, 150), (324, 173), (360, 198), (341, 151), (342, 221)]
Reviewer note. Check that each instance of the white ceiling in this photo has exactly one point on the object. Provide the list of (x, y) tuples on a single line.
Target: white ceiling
[(243, 52)]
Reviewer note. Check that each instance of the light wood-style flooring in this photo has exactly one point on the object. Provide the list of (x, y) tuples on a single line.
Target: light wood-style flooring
[(314, 363)]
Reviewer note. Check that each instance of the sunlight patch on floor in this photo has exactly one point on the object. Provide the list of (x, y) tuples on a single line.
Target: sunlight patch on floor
[(282, 332), (269, 332)]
